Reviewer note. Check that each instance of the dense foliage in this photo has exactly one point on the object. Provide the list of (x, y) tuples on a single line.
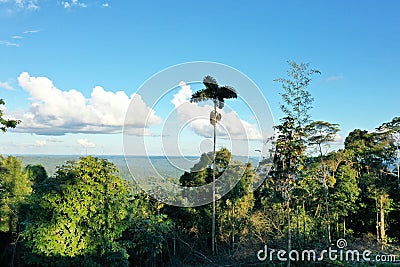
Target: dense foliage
[(85, 214), (82, 210)]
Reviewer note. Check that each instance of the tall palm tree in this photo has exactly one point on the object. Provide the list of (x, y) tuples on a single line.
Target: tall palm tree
[(217, 94)]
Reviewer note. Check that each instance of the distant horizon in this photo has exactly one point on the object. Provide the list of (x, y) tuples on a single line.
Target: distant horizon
[(117, 155), (143, 165)]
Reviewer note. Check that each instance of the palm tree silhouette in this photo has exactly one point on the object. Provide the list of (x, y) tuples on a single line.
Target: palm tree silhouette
[(217, 94)]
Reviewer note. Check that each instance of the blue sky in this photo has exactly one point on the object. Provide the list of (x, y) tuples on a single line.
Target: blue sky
[(117, 45)]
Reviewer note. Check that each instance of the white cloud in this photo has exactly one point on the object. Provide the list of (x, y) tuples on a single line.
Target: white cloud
[(232, 126), (7, 43), (31, 31), (338, 140), (22, 4), (85, 143), (183, 95), (6, 86), (73, 3), (56, 112), (33, 5), (40, 143), (45, 142), (105, 5), (17, 37)]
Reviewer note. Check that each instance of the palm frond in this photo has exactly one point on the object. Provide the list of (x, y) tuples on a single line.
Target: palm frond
[(227, 92), (211, 84), (210, 79), (201, 95), (212, 91)]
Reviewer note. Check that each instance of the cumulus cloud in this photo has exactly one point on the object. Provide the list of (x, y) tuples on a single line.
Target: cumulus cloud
[(338, 140), (85, 143), (183, 95), (57, 112), (105, 5), (230, 126), (6, 86)]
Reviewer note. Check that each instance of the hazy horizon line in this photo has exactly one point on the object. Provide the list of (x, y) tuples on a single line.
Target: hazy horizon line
[(109, 155)]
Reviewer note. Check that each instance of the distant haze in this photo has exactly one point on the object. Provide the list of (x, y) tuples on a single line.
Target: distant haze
[(163, 165)]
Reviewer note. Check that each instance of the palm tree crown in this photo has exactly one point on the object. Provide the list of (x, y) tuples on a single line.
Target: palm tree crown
[(214, 92)]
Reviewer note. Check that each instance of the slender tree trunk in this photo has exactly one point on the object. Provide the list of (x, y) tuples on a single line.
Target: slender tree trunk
[(10, 223), (344, 227), (289, 230), (378, 237), (233, 227), (213, 180), (398, 173), (328, 223), (304, 225), (297, 226), (174, 247), (337, 228), (382, 220), (328, 217)]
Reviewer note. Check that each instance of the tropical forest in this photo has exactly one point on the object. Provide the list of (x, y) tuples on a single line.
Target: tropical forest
[(314, 204)]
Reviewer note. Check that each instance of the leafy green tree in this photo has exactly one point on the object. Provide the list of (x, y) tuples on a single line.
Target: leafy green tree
[(16, 186), (194, 223), (320, 133), (374, 153), (78, 216), (233, 209), (343, 191), (6, 123), (217, 94), (392, 129), (236, 206), (36, 173), (288, 161), (289, 144), (297, 101), (344, 196), (308, 196), (201, 173), (148, 231)]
